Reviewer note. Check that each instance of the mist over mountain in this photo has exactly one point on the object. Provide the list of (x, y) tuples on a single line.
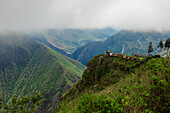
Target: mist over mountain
[(127, 42), (66, 41), (137, 15)]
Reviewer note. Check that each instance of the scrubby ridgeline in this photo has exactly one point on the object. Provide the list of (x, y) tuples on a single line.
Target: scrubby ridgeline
[(114, 84), (28, 67), (66, 41), (40, 37), (127, 42)]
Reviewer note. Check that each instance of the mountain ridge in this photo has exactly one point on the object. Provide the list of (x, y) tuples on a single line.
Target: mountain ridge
[(115, 84), (28, 67)]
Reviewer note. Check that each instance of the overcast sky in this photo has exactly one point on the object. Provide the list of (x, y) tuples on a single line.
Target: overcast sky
[(126, 14)]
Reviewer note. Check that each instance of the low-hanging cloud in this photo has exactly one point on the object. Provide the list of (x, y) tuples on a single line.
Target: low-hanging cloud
[(138, 15)]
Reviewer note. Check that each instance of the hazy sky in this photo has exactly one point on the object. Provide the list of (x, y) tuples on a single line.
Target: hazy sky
[(125, 14)]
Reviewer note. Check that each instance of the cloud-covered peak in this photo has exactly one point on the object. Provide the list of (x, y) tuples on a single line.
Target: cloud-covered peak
[(139, 15)]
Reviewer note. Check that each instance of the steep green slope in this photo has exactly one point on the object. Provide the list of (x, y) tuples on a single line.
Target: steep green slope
[(112, 84), (66, 41), (127, 42), (28, 67)]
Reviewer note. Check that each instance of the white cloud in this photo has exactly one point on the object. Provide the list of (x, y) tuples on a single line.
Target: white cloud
[(43, 14)]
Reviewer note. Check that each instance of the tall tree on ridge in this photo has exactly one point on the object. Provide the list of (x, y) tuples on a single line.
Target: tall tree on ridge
[(167, 46), (160, 46), (150, 49)]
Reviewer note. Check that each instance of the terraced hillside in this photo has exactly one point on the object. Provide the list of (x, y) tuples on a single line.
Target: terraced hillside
[(28, 67)]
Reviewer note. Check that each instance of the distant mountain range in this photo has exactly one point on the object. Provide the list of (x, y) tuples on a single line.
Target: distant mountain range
[(66, 41), (127, 42), (28, 67)]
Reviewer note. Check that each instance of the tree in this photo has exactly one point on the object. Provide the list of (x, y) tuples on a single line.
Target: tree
[(150, 49), (167, 46), (160, 45), (0, 102)]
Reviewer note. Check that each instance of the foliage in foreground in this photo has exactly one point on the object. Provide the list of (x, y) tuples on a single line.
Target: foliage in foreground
[(24, 105), (137, 98)]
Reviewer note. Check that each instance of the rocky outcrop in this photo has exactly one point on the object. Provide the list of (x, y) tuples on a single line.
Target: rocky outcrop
[(101, 71)]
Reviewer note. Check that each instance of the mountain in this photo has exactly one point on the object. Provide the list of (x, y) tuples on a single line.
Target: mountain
[(117, 85), (28, 67), (125, 41), (66, 41)]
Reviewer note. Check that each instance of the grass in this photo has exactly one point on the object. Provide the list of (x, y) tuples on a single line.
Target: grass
[(72, 66)]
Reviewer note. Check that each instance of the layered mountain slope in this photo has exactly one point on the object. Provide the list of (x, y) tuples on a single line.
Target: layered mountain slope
[(127, 42), (114, 84), (28, 67), (66, 41)]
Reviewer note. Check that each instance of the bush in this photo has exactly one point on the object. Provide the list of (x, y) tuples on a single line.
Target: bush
[(156, 56), (89, 103), (23, 105)]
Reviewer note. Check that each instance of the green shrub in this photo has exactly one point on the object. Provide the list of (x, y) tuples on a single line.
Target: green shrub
[(101, 104), (156, 56), (23, 105), (129, 99)]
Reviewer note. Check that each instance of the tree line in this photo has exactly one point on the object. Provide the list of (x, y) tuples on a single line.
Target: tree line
[(161, 46)]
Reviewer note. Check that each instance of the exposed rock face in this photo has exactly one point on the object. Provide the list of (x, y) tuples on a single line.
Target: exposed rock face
[(101, 58)]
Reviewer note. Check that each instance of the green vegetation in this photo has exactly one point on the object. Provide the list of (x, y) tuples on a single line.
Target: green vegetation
[(24, 105), (28, 67), (135, 99), (99, 73), (99, 104), (0, 102), (122, 86)]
